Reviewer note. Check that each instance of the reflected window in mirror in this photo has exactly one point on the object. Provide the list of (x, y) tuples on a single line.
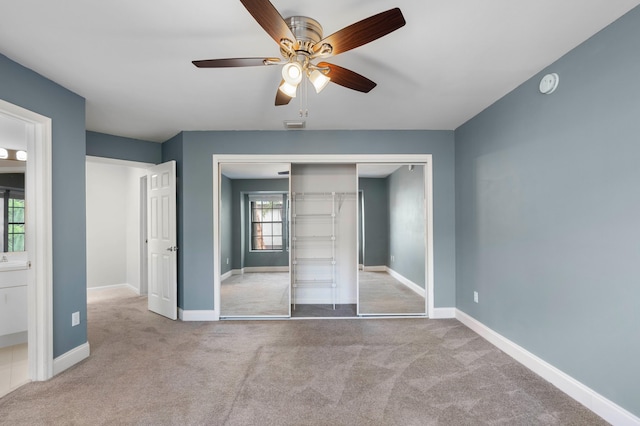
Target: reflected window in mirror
[(12, 212), (267, 222), (12, 221)]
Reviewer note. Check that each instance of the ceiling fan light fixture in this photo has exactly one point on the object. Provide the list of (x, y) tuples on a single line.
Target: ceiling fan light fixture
[(288, 89), (292, 73), (319, 80)]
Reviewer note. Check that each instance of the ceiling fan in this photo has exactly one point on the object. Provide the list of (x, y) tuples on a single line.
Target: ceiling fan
[(301, 43)]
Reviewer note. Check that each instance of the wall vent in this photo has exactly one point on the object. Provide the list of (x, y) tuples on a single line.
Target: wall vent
[(294, 124)]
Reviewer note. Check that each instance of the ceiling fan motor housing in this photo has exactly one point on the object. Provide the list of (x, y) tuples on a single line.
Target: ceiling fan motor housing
[(307, 32)]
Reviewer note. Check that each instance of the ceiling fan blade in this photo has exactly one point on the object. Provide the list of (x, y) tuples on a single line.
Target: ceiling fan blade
[(347, 78), (235, 62), (281, 98), (363, 32), (269, 19)]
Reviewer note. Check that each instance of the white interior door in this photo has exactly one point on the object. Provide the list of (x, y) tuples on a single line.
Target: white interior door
[(162, 240)]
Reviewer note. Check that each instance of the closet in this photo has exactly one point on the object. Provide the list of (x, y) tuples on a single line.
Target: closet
[(323, 234), (356, 235)]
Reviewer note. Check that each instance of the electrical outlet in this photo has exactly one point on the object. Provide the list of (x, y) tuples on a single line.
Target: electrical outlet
[(475, 296), (75, 319), (227, 260), (393, 258)]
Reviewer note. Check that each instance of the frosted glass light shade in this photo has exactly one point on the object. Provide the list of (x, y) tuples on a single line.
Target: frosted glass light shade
[(292, 73), (288, 89), (319, 80)]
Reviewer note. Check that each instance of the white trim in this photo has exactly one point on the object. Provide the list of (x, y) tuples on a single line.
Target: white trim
[(429, 261), (326, 158), (227, 275), (13, 339), (39, 241), (407, 282), (71, 358), (595, 402), (203, 315), (118, 162), (217, 260), (114, 286), (443, 313)]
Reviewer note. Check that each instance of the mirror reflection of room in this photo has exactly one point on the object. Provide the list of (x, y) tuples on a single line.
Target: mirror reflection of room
[(13, 263), (254, 240), (12, 218), (392, 239)]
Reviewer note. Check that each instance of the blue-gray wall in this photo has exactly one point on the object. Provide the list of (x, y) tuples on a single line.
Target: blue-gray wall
[(118, 147), (376, 221), (548, 215), (407, 218), (195, 281), (23, 87)]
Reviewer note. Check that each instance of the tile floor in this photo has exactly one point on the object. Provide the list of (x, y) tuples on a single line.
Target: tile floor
[(14, 370)]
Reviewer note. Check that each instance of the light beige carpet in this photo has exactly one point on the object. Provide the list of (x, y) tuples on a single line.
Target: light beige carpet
[(147, 370)]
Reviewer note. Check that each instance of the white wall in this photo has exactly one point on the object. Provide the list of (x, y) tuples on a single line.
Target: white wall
[(113, 222), (333, 178)]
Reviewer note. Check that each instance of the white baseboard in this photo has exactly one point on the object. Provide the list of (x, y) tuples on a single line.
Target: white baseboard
[(194, 315), (13, 339), (227, 275), (595, 402), (114, 286), (71, 358), (443, 313), (407, 282)]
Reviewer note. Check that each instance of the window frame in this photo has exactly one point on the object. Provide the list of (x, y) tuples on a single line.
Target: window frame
[(271, 197), (8, 195)]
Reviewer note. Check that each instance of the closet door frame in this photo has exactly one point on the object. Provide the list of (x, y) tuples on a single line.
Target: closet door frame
[(326, 159)]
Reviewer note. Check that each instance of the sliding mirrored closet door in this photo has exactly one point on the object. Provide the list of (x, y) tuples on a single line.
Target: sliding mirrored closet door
[(254, 240), (391, 239)]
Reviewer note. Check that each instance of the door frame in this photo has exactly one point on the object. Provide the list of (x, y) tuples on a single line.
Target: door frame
[(324, 159), (144, 273), (39, 240)]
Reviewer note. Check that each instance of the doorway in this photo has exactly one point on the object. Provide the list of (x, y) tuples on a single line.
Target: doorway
[(115, 234), (38, 239)]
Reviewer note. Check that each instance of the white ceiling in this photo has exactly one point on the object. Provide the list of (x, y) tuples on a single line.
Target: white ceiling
[(131, 60), (13, 133)]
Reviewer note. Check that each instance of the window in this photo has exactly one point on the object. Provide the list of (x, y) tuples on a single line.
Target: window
[(11, 220), (15, 225), (266, 222)]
